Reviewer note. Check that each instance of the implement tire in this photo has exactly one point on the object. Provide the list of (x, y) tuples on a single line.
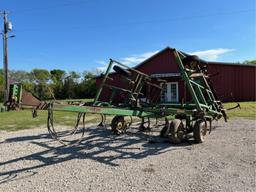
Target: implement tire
[(118, 125), (200, 131), (177, 131)]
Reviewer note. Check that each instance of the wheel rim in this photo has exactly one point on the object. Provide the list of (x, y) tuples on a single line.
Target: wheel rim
[(203, 130), (180, 135), (119, 126), (200, 130)]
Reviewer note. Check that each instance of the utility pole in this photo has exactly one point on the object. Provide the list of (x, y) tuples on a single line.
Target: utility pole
[(5, 57), (7, 28)]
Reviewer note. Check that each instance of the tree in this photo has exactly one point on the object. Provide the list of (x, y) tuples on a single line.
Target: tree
[(71, 83), (88, 85), (41, 78), (250, 61), (57, 77), (41, 75), (19, 76), (65, 85)]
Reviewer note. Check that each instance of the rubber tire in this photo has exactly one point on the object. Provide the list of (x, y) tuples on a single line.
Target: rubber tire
[(142, 125), (177, 131), (200, 131), (118, 125), (165, 131)]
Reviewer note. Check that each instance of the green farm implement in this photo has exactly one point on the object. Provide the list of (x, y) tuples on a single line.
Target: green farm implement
[(139, 98), (126, 94), (19, 98)]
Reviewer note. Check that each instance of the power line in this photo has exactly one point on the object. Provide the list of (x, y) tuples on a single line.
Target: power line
[(178, 18), (124, 24)]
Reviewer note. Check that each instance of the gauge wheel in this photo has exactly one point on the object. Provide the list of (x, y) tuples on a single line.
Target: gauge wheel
[(200, 131), (118, 125), (176, 131)]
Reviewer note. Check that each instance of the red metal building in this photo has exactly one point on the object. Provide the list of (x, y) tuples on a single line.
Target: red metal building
[(232, 81)]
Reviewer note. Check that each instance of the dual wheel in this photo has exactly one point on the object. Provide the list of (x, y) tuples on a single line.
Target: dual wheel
[(175, 131)]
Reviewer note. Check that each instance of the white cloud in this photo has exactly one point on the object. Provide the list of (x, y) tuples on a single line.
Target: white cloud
[(101, 62), (130, 61), (211, 54), (101, 69), (136, 59), (103, 66)]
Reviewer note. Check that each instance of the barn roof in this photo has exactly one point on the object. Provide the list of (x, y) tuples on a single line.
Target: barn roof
[(153, 56), (207, 62), (234, 64)]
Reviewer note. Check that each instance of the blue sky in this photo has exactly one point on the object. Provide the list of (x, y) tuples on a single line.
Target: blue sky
[(83, 34)]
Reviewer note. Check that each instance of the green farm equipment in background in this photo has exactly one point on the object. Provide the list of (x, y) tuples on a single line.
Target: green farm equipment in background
[(139, 98), (14, 98), (19, 98)]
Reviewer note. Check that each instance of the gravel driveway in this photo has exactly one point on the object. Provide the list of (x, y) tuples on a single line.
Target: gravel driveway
[(31, 161)]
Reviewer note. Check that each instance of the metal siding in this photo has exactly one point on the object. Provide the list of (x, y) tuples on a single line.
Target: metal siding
[(238, 80), (106, 92), (163, 63), (181, 91)]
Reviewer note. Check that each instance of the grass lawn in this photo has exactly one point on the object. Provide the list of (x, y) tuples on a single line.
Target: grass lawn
[(16, 120), (248, 110)]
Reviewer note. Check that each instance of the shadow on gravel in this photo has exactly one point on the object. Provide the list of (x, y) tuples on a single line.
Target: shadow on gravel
[(99, 145)]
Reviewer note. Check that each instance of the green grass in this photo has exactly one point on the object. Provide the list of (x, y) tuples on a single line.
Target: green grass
[(17, 120), (248, 110)]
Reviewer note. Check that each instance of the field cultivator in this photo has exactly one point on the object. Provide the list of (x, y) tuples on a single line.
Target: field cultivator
[(140, 97), (131, 95)]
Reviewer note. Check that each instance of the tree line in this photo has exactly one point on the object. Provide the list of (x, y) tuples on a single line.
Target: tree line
[(44, 84)]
